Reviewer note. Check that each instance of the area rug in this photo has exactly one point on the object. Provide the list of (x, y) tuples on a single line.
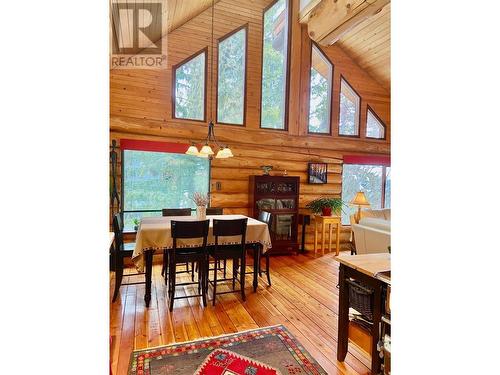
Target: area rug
[(263, 351)]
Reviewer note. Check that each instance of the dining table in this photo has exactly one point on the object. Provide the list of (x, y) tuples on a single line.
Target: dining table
[(154, 233)]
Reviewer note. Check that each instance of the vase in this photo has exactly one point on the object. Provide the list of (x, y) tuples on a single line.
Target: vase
[(201, 212), (326, 211)]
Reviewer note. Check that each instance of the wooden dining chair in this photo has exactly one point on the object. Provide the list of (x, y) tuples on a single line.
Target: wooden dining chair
[(175, 212), (120, 251), (235, 252), (215, 211), (265, 217), (188, 230)]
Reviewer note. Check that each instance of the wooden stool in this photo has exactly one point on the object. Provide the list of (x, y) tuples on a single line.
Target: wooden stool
[(323, 221)]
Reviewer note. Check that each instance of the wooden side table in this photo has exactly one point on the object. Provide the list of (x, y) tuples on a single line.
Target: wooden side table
[(322, 222)]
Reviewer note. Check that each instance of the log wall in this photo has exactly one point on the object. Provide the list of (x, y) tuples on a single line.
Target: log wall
[(140, 108)]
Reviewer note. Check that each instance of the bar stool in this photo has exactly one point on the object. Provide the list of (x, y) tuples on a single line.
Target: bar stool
[(188, 230), (235, 252)]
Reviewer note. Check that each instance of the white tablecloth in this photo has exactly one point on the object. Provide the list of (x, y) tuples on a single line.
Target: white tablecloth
[(154, 233)]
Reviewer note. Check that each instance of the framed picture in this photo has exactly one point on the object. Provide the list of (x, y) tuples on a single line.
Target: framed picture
[(317, 173)]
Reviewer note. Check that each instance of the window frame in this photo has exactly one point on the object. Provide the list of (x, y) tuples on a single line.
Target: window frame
[(287, 75), (342, 78), (329, 133), (174, 80), (370, 109), (122, 210), (220, 40)]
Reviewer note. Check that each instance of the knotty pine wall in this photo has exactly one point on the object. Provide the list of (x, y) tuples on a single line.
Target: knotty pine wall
[(141, 108)]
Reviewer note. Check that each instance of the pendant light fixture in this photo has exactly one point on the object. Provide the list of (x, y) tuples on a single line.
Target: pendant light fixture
[(206, 151)]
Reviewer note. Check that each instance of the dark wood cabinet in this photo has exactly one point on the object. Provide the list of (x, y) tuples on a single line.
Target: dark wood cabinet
[(278, 195)]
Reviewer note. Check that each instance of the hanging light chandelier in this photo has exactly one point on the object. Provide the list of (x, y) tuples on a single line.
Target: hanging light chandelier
[(206, 151), (223, 150)]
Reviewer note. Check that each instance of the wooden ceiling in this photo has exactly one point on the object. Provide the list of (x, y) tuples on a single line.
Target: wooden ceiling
[(369, 44), (362, 28), (174, 14)]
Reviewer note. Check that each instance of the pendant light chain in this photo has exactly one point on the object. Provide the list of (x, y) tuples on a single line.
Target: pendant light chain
[(213, 69), (206, 151)]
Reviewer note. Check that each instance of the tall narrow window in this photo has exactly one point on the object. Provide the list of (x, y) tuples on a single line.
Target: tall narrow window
[(274, 66), (189, 93), (375, 128), (320, 92), (349, 110), (231, 78)]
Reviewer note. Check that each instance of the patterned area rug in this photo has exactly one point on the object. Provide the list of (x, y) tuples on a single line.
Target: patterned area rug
[(263, 351)]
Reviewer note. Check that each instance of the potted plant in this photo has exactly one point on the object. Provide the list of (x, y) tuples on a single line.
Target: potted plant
[(201, 200), (326, 206), (136, 224)]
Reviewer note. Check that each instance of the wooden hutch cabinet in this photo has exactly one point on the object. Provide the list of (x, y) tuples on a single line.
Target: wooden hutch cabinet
[(278, 195)]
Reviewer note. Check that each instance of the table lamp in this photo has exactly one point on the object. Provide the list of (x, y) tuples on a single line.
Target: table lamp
[(359, 200)]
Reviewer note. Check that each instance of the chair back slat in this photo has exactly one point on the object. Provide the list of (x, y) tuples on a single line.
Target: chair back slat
[(176, 212), (265, 217), (215, 211), (118, 229), (189, 229), (223, 228)]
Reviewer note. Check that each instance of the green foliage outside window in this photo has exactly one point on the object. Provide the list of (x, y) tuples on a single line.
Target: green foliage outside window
[(365, 178), (231, 79), (349, 110), (156, 180), (190, 89), (274, 67)]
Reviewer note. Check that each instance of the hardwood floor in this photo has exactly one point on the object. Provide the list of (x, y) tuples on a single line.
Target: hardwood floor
[(303, 297)]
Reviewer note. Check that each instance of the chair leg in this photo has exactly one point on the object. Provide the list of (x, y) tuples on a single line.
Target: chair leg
[(192, 271), (242, 276), (235, 272), (215, 283), (163, 267), (171, 286), (203, 267), (224, 268), (259, 249), (267, 269), (118, 275)]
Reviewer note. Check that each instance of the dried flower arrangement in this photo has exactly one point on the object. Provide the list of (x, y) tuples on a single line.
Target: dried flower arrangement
[(200, 199)]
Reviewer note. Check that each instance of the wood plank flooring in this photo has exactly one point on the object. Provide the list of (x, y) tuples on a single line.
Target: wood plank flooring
[(303, 297)]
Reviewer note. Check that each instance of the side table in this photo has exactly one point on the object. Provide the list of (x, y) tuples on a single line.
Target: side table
[(322, 222)]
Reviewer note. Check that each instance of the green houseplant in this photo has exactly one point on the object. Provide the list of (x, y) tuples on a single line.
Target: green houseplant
[(326, 206), (136, 224)]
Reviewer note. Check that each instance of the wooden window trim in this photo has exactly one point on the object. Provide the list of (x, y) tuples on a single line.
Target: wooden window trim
[(359, 114), (370, 109), (221, 39), (287, 75), (330, 131), (174, 68)]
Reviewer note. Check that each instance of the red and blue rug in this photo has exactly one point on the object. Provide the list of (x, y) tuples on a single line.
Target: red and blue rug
[(263, 351)]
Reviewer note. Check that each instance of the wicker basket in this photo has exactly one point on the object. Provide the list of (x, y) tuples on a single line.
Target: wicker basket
[(361, 298)]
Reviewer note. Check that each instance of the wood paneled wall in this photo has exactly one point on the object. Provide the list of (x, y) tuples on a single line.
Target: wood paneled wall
[(141, 109)]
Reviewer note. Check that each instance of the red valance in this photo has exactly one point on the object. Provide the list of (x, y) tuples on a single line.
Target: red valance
[(141, 145), (384, 160)]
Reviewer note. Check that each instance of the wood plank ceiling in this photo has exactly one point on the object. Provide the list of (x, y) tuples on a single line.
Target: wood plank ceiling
[(174, 14), (369, 44)]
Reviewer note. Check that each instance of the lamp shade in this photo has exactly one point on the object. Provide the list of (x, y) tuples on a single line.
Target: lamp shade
[(221, 154), (228, 152), (206, 150), (192, 150), (360, 199)]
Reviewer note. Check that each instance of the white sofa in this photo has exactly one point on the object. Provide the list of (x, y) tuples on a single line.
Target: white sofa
[(373, 233)]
